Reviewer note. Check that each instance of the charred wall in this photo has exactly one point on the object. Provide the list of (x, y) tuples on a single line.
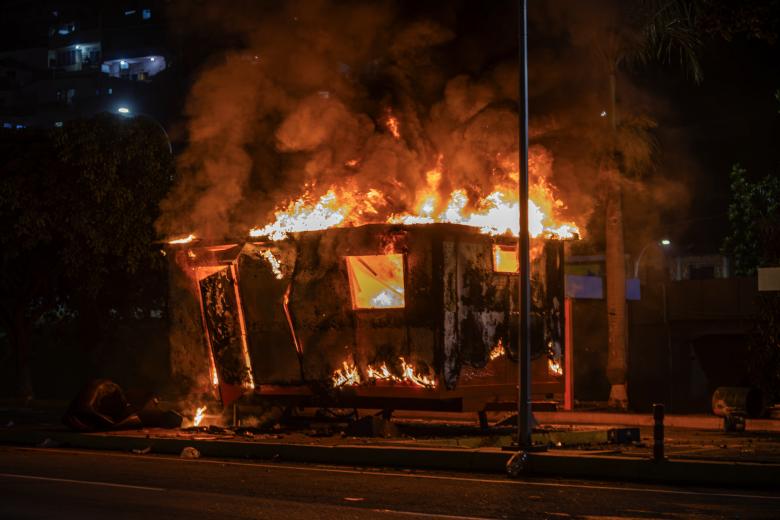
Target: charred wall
[(301, 323)]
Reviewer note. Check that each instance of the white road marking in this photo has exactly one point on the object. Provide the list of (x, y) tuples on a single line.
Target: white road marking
[(87, 482), (328, 469), (430, 515)]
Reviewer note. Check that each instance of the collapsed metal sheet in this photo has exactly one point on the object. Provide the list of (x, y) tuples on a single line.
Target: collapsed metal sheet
[(265, 276), (224, 323)]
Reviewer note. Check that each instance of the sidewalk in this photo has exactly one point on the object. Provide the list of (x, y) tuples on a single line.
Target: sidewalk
[(696, 457)]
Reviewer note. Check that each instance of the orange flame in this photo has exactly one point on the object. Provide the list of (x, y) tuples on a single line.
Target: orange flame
[(198, 415), (349, 375), (497, 351), (393, 125), (496, 213), (185, 240), (276, 265)]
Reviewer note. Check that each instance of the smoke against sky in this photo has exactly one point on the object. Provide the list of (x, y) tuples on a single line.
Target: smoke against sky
[(303, 100)]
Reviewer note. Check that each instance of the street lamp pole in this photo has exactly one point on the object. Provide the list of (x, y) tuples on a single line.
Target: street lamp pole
[(664, 242), (126, 112), (523, 245)]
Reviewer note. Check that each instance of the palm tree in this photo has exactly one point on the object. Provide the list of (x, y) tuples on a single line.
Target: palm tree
[(645, 31)]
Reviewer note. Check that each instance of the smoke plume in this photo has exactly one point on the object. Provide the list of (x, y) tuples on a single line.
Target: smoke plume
[(371, 96)]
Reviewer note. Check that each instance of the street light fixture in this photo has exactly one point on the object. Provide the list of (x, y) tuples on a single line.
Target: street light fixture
[(125, 111)]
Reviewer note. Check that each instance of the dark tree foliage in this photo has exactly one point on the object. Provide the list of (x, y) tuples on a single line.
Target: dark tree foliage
[(730, 19), (754, 241), (77, 206), (754, 220)]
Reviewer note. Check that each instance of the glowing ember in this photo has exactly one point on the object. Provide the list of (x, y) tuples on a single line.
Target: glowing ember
[(276, 265), (392, 125), (497, 351), (186, 240), (198, 415), (554, 367)]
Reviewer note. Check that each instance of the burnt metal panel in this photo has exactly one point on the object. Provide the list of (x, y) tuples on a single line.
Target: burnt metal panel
[(263, 286), (223, 321)]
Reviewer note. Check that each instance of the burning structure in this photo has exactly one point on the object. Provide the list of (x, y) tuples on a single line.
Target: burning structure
[(382, 266), (396, 316)]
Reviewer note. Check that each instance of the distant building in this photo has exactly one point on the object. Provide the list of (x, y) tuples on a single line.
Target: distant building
[(65, 60), (699, 267)]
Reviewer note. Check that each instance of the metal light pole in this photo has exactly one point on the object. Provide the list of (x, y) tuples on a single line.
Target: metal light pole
[(128, 113), (523, 245)]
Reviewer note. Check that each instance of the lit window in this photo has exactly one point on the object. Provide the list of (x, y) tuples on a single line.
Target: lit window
[(130, 12), (123, 65), (58, 124), (7, 125), (505, 259), (146, 14), (376, 281)]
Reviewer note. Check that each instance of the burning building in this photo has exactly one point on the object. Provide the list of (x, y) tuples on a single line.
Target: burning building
[(392, 315)]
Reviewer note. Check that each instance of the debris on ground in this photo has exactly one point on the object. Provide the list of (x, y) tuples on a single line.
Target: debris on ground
[(49, 443), (142, 451), (189, 453), (102, 405)]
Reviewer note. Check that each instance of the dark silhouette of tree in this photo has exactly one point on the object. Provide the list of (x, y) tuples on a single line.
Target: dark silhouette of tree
[(77, 206)]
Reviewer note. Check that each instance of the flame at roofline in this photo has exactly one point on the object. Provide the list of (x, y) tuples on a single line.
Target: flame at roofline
[(495, 214)]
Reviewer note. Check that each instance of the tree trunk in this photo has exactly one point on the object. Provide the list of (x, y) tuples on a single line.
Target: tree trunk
[(616, 294), (615, 266)]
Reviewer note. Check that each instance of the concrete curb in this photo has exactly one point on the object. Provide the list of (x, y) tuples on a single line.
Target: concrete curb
[(699, 473), (699, 422)]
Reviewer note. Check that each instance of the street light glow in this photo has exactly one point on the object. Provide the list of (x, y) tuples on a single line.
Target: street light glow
[(665, 242), (123, 110)]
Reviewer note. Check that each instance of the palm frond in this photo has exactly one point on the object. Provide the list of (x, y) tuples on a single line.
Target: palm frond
[(669, 35)]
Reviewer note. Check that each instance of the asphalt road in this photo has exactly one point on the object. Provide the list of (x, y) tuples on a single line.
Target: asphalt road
[(60, 483)]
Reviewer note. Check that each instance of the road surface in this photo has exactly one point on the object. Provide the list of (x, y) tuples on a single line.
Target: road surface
[(61, 483)]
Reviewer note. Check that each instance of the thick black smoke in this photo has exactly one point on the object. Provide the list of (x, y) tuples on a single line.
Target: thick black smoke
[(303, 100)]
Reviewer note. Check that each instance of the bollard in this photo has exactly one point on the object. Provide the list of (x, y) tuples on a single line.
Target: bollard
[(658, 433)]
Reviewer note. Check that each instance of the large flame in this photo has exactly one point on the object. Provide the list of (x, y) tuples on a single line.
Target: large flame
[(337, 207), (496, 213)]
